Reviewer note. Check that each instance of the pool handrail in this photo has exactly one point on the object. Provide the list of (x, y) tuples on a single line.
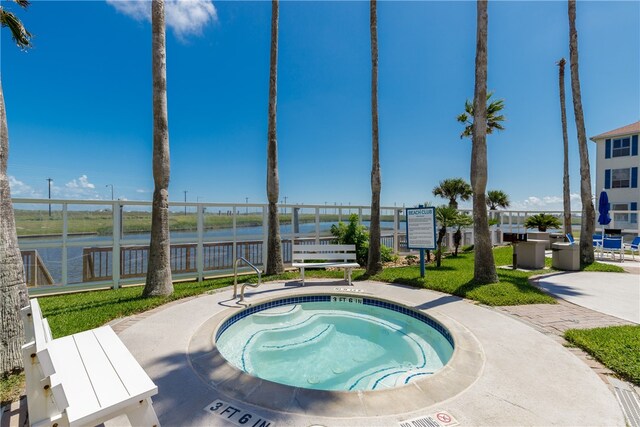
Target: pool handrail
[(235, 278)]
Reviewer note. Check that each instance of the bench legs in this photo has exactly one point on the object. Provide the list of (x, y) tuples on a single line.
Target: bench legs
[(143, 414), (302, 275), (347, 272)]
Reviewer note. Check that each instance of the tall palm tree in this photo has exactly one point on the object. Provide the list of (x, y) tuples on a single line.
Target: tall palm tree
[(496, 199), (566, 194), (374, 262), (484, 268), (588, 213), (159, 266), (274, 249), (453, 188), (13, 289), (494, 120)]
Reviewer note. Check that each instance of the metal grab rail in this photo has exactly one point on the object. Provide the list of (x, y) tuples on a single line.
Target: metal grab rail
[(244, 285)]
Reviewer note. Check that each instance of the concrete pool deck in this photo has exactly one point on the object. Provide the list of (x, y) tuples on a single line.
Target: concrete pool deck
[(526, 377)]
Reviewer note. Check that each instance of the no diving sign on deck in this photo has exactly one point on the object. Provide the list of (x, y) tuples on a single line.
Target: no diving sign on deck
[(437, 419)]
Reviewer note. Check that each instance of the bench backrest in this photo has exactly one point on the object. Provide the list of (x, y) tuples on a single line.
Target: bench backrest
[(334, 253), (36, 327)]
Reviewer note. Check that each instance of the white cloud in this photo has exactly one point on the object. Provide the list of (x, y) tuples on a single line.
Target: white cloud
[(184, 17), (80, 183), (141, 191), (78, 188), (20, 189), (551, 203)]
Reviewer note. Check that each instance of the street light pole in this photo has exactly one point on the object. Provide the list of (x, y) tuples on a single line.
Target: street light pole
[(185, 200), (49, 180), (110, 185), (246, 199)]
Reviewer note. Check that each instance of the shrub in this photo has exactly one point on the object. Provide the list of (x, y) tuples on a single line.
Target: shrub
[(354, 233)]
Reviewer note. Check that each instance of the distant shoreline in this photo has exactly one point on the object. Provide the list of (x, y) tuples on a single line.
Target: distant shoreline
[(37, 236)]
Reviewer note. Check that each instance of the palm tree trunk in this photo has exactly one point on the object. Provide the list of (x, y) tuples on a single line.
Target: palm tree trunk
[(566, 193), (484, 269), (374, 262), (588, 213), (13, 289), (274, 249), (159, 266)]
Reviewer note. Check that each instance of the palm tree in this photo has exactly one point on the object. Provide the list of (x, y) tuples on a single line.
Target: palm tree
[(12, 283), (588, 213), (374, 262), (494, 121), (274, 249), (159, 266), (542, 221), (484, 268), (497, 198), (445, 216), (566, 194), (453, 188)]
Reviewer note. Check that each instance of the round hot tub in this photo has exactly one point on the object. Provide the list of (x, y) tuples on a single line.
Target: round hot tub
[(335, 342)]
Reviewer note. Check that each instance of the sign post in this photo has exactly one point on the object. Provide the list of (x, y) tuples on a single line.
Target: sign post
[(421, 231)]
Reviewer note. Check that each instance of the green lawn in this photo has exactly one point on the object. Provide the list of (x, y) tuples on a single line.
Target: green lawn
[(72, 313), (616, 347)]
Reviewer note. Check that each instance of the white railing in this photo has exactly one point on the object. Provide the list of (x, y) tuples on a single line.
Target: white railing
[(83, 244)]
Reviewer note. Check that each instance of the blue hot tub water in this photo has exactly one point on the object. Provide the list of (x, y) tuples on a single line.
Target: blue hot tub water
[(314, 342)]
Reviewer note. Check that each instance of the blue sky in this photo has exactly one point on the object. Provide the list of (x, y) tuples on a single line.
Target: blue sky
[(79, 102)]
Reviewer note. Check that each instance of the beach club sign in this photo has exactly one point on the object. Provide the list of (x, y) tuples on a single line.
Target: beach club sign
[(421, 228)]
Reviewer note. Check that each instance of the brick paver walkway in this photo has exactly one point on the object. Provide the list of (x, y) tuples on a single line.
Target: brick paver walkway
[(554, 319)]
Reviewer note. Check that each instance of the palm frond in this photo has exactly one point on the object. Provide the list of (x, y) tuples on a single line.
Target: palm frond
[(23, 3), (19, 33)]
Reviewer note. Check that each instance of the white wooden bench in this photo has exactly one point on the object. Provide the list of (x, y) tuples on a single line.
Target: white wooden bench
[(323, 256), (83, 379)]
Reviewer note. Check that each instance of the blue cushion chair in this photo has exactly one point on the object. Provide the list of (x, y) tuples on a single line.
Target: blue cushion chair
[(613, 245), (633, 247)]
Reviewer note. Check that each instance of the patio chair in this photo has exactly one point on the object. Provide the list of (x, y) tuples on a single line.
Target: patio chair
[(597, 244), (633, 247), (570, 239), (613, 245)]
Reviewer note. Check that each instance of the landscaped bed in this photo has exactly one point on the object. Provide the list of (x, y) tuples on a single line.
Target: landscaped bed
[(616, 347)]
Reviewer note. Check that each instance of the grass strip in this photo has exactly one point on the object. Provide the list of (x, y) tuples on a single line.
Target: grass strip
[(616, 347)]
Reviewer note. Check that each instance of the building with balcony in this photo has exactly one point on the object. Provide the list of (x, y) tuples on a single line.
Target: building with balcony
[(617, 163)]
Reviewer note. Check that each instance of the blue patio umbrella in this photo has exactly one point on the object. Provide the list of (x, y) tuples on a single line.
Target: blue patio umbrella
[(603, 210)]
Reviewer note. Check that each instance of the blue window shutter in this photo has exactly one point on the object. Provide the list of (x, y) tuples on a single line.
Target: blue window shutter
[(634, 145), (633, 206), (634, 177), (607, 149), (607, 178)]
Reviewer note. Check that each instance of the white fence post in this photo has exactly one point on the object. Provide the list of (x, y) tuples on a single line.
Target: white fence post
[(396, 224), (115, 253), (65, 229), (317, 226), (235, 237), (200, 247)]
